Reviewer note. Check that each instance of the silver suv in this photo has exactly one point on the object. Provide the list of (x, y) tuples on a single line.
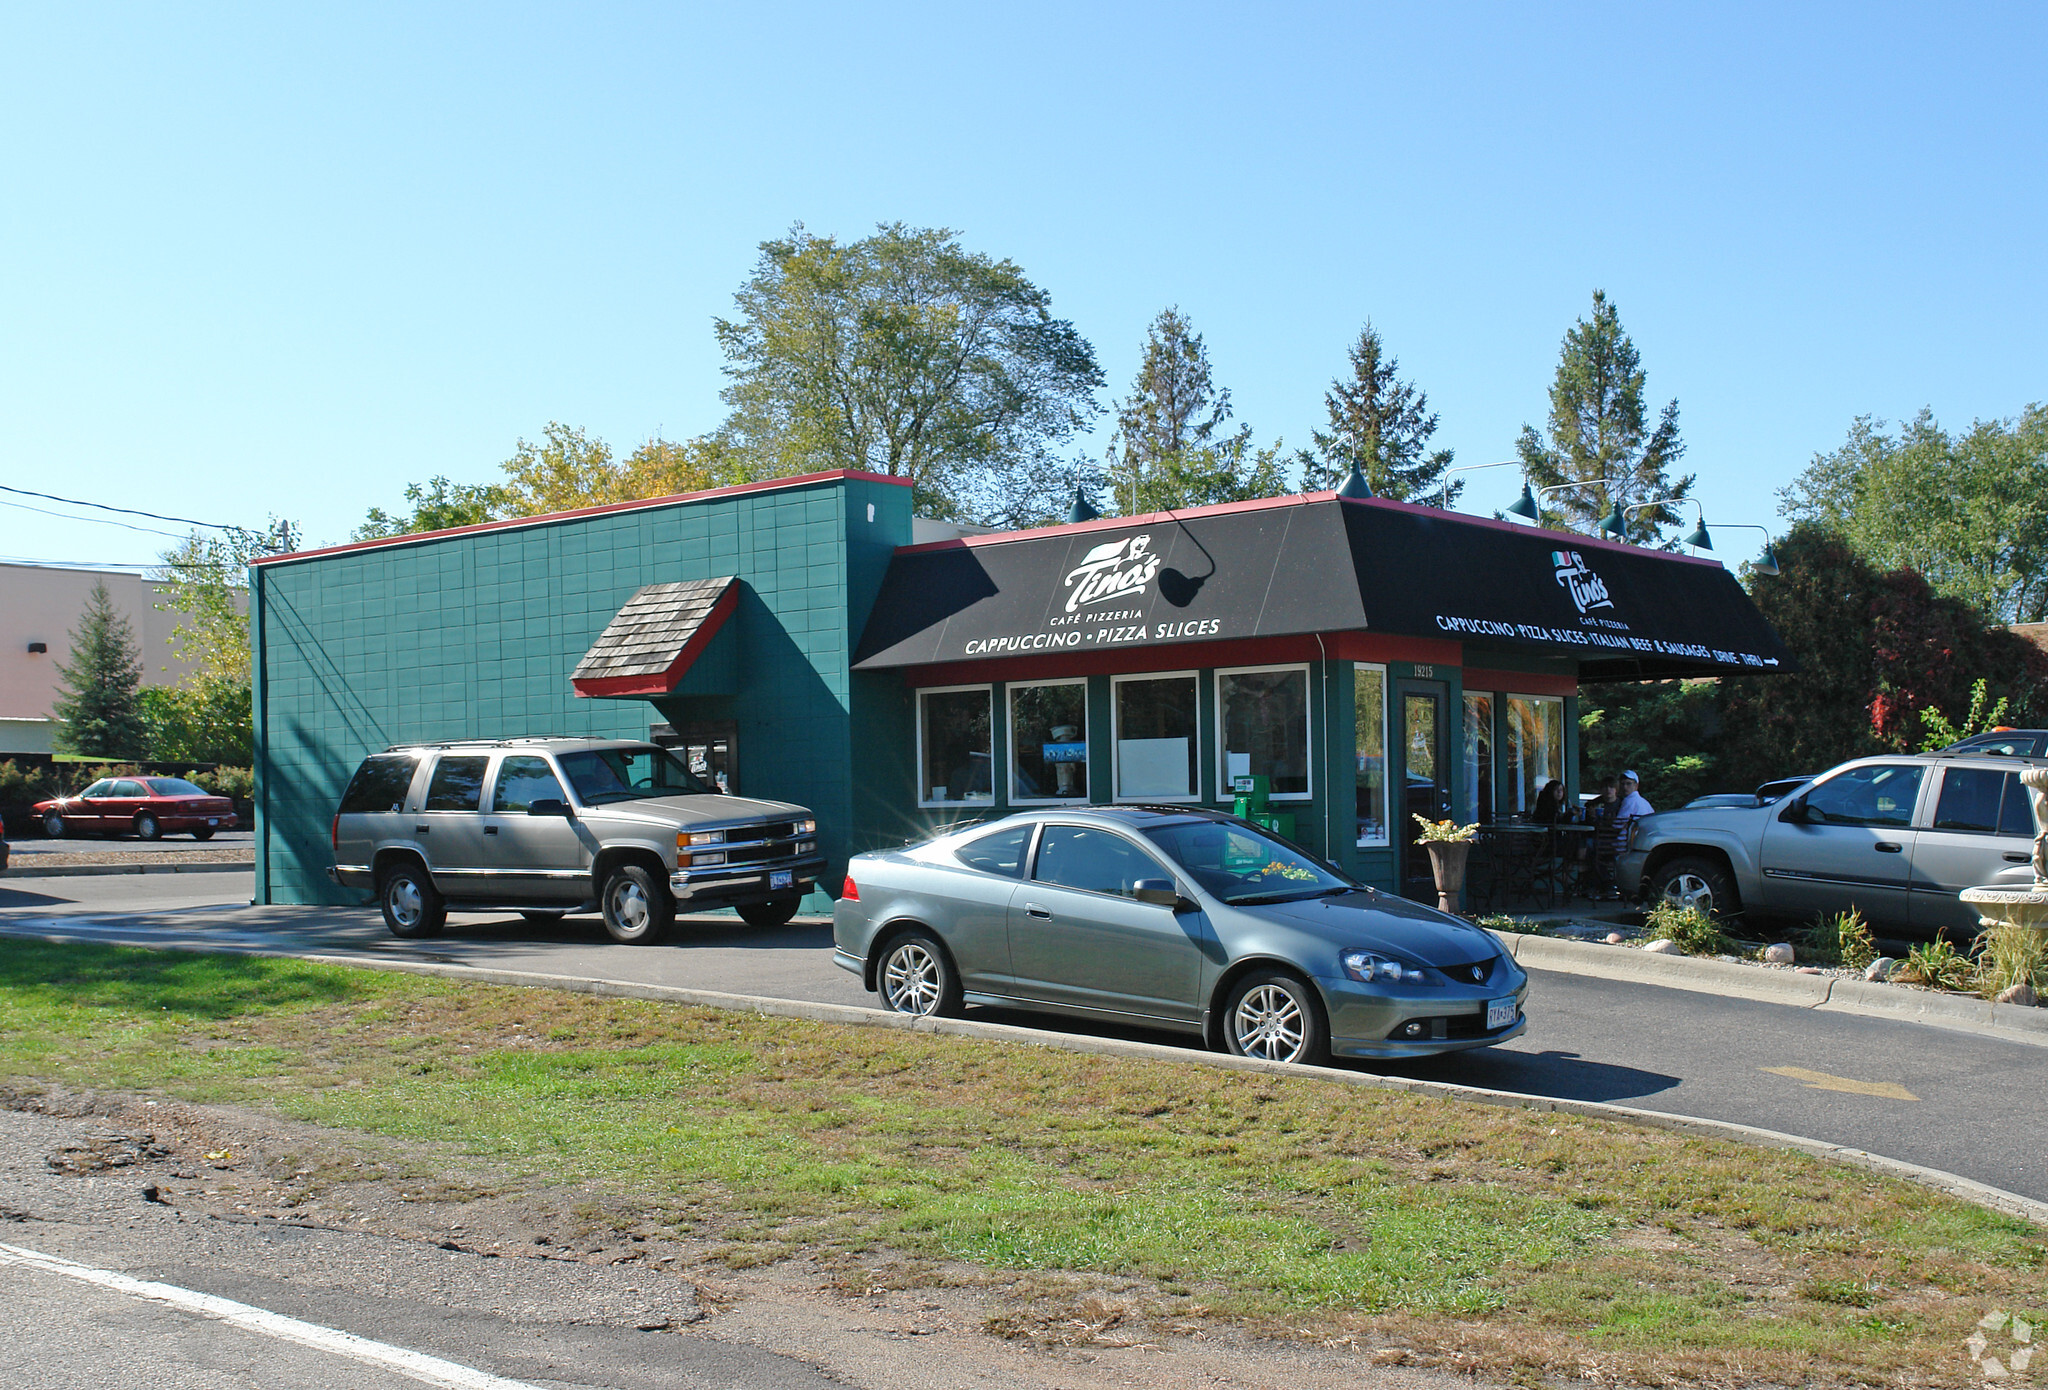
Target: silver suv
[(1895, 837), (550, 826)]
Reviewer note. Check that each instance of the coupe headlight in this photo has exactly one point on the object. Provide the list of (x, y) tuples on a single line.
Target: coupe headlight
[(1370, 969)]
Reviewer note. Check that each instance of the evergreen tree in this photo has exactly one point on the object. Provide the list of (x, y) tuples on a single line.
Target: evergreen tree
[(1599, 434), (98, 704), (1382, 424), (1172, 447)]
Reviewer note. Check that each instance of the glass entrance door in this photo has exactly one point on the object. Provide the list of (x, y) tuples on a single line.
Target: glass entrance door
[(1425, 780)]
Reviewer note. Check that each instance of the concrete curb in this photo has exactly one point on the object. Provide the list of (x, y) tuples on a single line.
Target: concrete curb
[(2010, 1022), (1991, 1198), (98, 870)]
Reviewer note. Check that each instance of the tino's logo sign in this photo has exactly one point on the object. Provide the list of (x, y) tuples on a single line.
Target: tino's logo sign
[(1119, 569), (1587, 589)]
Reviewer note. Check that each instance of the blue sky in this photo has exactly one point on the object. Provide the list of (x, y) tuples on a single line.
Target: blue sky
[(286, 259)]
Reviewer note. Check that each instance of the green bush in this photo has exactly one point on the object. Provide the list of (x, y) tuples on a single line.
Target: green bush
[(237, 783), (1694, 932), (24, 786), (1841, 939), (1938, 965), (2008, 956), (1507, 921)]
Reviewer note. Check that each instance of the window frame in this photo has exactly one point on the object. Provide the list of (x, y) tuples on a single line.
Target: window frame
[(988, 689), (490, 802), (1913, 820), (992, 828), (1504, 717), (1010, 690), (1386, 839), (1308, 720), (1167, 869), (1116, 738), (488, 777)]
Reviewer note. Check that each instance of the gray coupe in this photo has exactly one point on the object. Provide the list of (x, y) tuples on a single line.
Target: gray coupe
[(1175, 918)]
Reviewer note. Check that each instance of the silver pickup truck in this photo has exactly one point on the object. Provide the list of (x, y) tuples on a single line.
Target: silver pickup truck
[(1895, 837), (550, 826)]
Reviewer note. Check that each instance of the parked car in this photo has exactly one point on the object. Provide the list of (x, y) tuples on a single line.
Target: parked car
[(551, 826), (1895, 837), (2004, 743), (150, 806), (1173, 918), (1762, 796)]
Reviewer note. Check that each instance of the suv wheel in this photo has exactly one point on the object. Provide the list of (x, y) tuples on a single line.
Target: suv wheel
[(412, 906), (1695, 883), (775, 913), (637, 908)]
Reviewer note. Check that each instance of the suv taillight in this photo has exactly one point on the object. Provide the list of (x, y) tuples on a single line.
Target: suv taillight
[(851, 892)]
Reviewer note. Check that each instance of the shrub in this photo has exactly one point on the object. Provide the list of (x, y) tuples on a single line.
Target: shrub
[(1938, 965), (1507, 921), (2008, 956), (1694, 932), (237, 783), (24, 786), (1842, 939)]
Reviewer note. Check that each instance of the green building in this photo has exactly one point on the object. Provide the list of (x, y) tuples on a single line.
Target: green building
[(1372, 659)]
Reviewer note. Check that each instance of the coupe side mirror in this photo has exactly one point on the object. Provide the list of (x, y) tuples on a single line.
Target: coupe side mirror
[(551, 806), (1160, 892)]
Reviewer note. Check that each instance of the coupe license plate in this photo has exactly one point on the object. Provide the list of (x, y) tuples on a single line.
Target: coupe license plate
[(1499, 1013), (786, 878), (212, 822)]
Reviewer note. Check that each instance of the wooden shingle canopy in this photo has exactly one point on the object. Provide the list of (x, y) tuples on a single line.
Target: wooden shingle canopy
[(649, 646)]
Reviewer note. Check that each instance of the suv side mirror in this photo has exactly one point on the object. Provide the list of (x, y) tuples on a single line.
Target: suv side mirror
[(1795, 811), (552, 806), (1160, 892)]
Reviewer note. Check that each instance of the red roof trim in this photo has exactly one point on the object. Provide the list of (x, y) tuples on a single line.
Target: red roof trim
[(547, 518), (661, 683), (1109, 523)]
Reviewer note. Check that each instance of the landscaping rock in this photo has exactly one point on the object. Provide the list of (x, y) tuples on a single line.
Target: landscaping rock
[(2021, 993), (1880, 969), (1614, 938), (1778, 953), (1807, 970), (1663, 947)]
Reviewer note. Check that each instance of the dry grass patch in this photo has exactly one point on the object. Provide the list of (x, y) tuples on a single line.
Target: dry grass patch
[(1117, 1199)]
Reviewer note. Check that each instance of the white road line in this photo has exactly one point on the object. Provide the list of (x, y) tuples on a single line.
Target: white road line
[(429, 1370)]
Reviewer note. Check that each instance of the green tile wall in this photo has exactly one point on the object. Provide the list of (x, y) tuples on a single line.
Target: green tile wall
[(475, 636)]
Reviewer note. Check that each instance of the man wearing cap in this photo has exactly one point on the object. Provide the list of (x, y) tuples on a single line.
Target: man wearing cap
[(1633, 804)]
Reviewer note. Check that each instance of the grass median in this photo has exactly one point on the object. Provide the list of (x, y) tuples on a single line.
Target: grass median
[(1493, 1239)]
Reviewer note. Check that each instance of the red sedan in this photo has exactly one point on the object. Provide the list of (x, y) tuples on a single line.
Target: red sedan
[(150, 806)]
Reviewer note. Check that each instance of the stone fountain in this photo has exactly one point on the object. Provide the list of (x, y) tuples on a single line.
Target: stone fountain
[(2020, 905)]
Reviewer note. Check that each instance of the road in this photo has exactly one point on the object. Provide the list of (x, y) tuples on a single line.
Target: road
[(1958, 1101)]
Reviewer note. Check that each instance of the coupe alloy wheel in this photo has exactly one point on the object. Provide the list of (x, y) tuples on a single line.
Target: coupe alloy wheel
[(913, 979), (1268, 1024)]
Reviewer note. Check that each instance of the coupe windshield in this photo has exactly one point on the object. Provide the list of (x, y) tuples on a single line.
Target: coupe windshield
[(602, 775), (1241, 865)]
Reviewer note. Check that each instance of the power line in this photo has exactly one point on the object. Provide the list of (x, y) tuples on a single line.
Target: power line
[(90, 520), (101, 506)]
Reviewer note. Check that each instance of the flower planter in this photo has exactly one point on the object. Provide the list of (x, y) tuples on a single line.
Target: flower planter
[(1447, 862)]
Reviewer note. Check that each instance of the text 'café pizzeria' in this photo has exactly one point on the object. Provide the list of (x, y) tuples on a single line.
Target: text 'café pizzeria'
[(807, 639), (1371, 659)]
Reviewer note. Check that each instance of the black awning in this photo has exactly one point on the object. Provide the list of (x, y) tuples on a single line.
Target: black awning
[(1295, 566)]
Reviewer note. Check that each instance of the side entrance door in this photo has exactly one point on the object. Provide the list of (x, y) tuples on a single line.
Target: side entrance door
[(1423, 739)]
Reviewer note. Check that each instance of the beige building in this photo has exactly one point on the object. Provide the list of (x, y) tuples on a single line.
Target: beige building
[(39, 607)]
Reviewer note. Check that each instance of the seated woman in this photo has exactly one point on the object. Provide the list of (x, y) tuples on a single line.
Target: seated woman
[(1549, 808)]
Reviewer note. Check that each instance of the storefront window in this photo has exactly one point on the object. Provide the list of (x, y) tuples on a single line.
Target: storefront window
[(1049, 742), (1369, 744), (1479, 757), (1264, 725), (1155, 737), (954, 749), (1535, 752)]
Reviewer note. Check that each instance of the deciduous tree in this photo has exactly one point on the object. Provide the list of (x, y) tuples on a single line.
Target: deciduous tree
[(437, 505), (1383, 424), (1969, 511), (906, 354), (1601, 436)]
